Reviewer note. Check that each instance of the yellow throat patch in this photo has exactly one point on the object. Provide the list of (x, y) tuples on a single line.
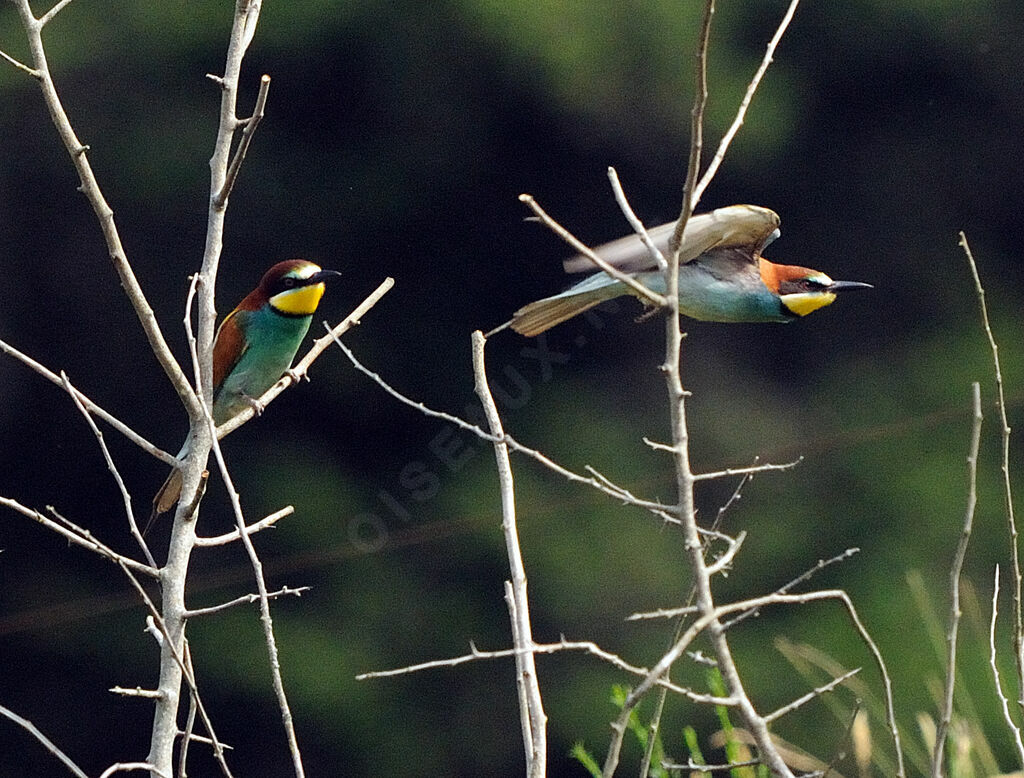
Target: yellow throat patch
[(803, 303), (298, 302)]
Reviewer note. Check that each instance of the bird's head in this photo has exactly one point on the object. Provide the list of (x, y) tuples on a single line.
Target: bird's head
[(294, 287), (802, 290)]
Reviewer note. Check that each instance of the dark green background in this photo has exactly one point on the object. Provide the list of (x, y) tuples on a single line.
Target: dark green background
[(397, 138)]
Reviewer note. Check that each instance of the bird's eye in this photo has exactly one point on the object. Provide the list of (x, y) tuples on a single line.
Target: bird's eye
[(288, 282)]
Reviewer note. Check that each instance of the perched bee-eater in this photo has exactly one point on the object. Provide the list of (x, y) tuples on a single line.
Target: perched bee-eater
[(255, 346), (722, 275)]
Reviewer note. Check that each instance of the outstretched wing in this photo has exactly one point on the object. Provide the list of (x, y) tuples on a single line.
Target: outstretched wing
[(746, 227)]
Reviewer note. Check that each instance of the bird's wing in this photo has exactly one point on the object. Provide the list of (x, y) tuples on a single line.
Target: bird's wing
[(749, 227), (228, 348)]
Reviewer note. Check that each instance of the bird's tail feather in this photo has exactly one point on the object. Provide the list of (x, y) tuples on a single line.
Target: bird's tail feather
[(542, 315), (166, 498)]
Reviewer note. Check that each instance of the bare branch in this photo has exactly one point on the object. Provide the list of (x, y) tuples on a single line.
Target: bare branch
[(180, 658), (634, 221), (20, 65), (127, 767), (639, 289), (1004, 466), (261, 584), (600, 483), (246, 599), (805, 576), (81, 537), (138, 691), (90, 188), (723, 145), (954, 583), (303, 365), (767, 467), (533, 717), (725, 560), (1010, 723), (31, 728), (708, 619), (92, 407), (230, 537), (248, 130), (125, 496), (48, 16), (799, 701), (709, 768), (585, 646)]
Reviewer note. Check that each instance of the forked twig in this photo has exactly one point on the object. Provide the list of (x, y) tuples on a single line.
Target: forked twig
[(1004, 466), (248, 129), (534, 720), (737, 122)]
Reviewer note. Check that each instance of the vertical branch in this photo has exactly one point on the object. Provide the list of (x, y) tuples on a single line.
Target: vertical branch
[(756, 724), (257, 566), (200, 440), (954, 582), (1004, 466), (534, 718)]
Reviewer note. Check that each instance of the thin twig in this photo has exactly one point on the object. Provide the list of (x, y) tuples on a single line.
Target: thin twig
[(584, 646), (246, 599), (92, 407), (126, 498), (91, 189), (767, 467), (723, 145), (634, 221), (31, 728), (81, 537), (535, 720), (128, 767), (954, 582), (804, 576), (601, 483), (1004, 702), (638, 289), (48, 16), (138, 691), (20, 65), (230, 537), (709, 768), (1004, 466), (799, 701), (248, 130)]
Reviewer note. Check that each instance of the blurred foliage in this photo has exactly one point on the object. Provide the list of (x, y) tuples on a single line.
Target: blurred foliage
[(397, 138)]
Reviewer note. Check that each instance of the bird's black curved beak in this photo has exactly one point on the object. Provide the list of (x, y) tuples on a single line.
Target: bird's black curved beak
[(321, 276), (841, 286)]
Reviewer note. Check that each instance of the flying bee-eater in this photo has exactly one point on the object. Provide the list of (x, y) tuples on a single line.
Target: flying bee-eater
[(722, 275)]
